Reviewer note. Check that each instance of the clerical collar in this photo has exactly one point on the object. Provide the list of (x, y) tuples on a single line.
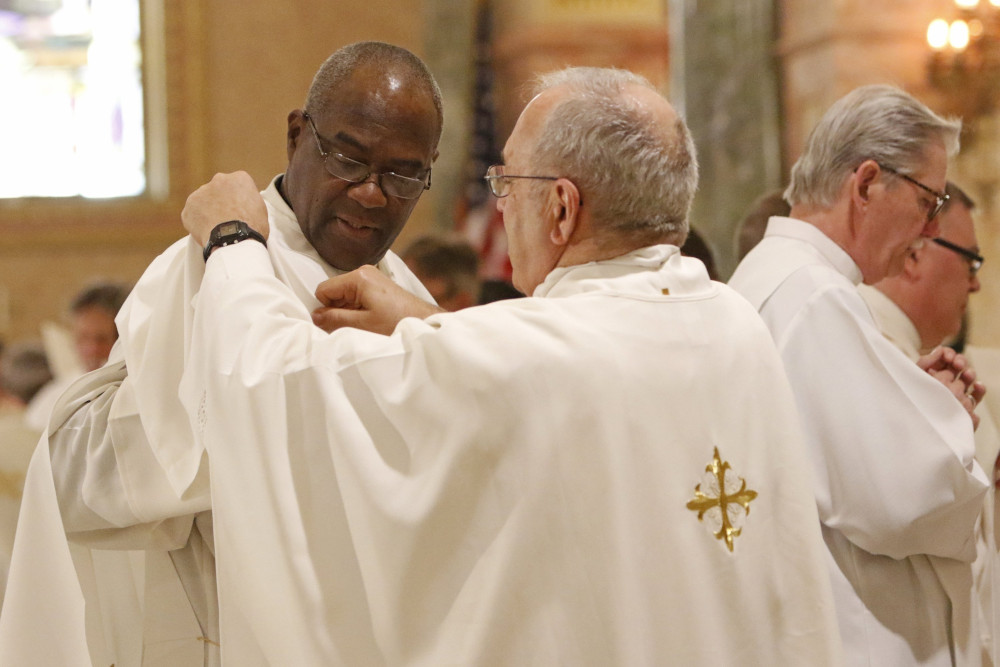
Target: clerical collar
[(803, 231)]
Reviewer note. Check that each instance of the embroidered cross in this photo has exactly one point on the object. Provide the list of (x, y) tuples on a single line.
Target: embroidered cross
[(725, 505)]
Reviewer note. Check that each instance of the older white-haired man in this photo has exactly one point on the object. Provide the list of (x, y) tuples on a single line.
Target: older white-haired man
[(897, 487), (607, 472)]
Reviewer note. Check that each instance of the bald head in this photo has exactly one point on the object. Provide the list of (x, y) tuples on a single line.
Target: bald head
[(623, 144), (387, 60)]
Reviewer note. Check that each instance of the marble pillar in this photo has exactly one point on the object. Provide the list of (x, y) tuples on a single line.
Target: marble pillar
[(725, 79)]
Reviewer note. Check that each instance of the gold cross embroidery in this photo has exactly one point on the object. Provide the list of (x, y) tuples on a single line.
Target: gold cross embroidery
[(704, 502)]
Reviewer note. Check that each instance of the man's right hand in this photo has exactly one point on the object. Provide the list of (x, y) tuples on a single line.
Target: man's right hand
[(226, 197), (954, 371), (366, 299)]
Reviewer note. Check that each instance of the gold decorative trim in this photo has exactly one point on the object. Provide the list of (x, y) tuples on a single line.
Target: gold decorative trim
[(724, 506)]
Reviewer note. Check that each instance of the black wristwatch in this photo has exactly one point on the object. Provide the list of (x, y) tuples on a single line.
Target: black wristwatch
[(228, 233)]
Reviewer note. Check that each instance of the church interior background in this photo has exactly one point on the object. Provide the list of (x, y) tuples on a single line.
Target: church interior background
[(750, 76)]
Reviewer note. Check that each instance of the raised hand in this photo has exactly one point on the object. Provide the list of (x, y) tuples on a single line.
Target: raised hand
[(954, 371), (366, 299), (226, 197)]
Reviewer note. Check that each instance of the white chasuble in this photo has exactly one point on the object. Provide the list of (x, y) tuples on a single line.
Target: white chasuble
[(607, 473)]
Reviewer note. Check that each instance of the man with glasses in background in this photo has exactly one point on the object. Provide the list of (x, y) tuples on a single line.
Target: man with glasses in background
[(924, 305), (897, 486), (127, 469)]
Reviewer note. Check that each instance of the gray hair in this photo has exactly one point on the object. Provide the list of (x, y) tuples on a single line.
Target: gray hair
[(878, 122), (343, 62), (24, 369), (637, 177)]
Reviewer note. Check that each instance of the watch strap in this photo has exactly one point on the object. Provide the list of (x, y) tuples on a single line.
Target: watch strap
[(228, 233)]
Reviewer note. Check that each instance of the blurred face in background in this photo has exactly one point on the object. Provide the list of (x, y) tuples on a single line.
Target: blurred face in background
[(948, 274), (94, 333)]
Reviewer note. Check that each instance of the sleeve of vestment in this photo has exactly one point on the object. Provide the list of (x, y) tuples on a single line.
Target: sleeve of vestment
[(251, 339), (893, 449), (108, 499), (123, 459)]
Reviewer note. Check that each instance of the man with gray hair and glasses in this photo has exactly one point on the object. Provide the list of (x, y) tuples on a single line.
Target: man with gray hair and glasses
[(897, 486), (585, 476)]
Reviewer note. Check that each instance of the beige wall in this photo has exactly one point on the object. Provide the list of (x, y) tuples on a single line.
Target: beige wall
[(537, 36)]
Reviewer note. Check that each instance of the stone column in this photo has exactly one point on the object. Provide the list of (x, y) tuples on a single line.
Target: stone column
[(725, 78), (448, 44)]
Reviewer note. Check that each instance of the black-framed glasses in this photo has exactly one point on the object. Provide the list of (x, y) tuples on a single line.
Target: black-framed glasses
[(940, 198), (352, 171), (500, 182), (974, 259)]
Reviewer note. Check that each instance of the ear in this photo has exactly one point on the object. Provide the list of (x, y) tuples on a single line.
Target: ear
[(865, 176), (564, 211), (296, 122)]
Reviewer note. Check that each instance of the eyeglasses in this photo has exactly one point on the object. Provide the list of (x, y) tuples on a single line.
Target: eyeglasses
[(940, 198), (974, 259), (352, 171), (500, 182)]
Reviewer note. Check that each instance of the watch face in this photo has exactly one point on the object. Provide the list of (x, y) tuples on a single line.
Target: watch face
[(228, 228)]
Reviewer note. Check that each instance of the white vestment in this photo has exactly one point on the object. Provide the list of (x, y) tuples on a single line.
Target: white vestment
[(898, 489), (129, 474), (17, 442), (986, 361), (891, 321), (901, 332), (512, 484)]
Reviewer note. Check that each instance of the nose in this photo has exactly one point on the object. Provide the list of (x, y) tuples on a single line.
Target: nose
[(974, 284), (368, 192), (501, 203)]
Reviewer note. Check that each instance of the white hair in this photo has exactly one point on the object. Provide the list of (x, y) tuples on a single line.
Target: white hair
[(878, 122), (637, 177)]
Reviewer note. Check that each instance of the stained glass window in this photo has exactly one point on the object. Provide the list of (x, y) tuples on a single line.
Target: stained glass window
[(71, 102)]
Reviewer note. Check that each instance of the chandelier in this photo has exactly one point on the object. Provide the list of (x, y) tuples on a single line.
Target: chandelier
[(964, 65)]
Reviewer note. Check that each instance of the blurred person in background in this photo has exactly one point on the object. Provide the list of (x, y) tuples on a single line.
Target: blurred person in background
[(24, 369), (448, 268), (93, 333)]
